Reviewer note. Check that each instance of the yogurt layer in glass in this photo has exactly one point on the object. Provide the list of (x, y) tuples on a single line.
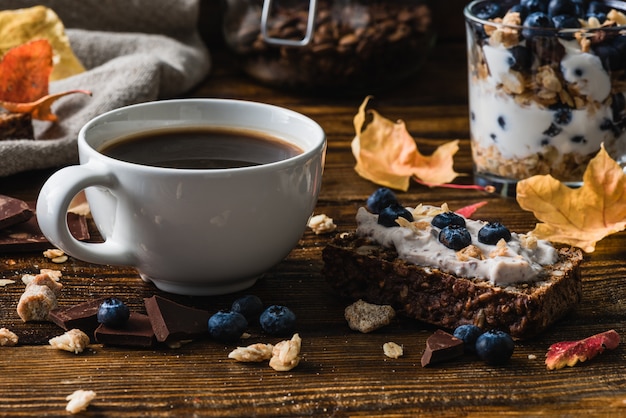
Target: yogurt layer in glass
[(543, 99)]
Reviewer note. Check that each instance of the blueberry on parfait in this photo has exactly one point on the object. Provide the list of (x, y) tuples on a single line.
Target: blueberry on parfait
[(455, 237), (380, 199), (493, 232), (444, 219), (388, 215)]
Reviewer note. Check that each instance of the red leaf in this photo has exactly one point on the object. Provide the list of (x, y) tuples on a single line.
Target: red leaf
[(568, 353), (468, 211)]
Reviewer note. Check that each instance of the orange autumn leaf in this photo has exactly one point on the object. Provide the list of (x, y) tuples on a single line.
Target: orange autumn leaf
[(24, 72), (387, 154), (40, 109), (578, 217), (19, 26)]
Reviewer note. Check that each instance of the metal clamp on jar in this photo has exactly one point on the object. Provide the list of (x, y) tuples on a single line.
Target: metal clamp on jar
[(329, 46)]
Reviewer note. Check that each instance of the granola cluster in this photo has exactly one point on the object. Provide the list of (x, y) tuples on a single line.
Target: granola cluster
[(283, 356)]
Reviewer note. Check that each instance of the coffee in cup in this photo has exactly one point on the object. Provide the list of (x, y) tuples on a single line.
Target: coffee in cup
[(202, 196)]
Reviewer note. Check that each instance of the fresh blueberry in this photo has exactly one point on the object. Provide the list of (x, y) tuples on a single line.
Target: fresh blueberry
[(564, 7), (534, 23), (469, 334), (578, 139), (380, 199), (249, 306), (597, 7), (388, 216), (562, 115), (488, 10), (535, 5), (455, 237), (227, 326), (278, 320), (565, 22), (444, 219), (502, 121), (520, 58), (495, 347), (493, 232), (608, 125), (113, 312), (538, 20), (553, 130)]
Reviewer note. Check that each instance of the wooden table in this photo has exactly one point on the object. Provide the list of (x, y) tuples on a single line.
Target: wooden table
[(342, 373)]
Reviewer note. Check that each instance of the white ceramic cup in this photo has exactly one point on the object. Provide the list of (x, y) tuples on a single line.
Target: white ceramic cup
[(189, 231)]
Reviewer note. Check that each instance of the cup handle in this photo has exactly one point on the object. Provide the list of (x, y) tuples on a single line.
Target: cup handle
[(53, 203)]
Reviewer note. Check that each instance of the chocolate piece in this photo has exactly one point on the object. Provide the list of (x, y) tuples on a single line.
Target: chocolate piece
[(136, 332), (26, 236), (83, 316), (16, 126), (13, 211), (441, 347), (175, 322)]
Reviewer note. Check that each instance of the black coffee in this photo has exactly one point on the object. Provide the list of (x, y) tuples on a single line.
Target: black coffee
[(200, 148)]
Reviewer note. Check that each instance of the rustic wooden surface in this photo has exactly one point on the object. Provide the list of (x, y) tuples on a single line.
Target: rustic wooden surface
[(343, 373)]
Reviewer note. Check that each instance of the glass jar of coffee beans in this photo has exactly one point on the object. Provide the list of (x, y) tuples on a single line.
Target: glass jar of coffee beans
[(329, 46)]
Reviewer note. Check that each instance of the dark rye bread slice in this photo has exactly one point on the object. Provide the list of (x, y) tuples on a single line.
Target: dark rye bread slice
[(359, 269)]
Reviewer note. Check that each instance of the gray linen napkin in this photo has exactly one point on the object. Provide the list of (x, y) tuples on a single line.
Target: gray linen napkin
[(134, 51)]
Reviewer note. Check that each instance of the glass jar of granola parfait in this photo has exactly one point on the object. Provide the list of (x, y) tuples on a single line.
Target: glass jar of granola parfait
[(329, 46), (547, 87)]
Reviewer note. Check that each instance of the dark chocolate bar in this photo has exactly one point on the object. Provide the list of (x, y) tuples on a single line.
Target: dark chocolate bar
[(441, 347), (13, 211), (136, 332), (26, 236), (172, 321), (83, 316)]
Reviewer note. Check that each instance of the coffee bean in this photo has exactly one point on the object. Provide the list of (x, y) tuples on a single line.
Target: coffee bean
[(355, 44)]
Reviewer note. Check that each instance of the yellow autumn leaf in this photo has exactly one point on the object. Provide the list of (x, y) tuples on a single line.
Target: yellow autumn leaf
[(20, 26), (578, 217), (387, 154)]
